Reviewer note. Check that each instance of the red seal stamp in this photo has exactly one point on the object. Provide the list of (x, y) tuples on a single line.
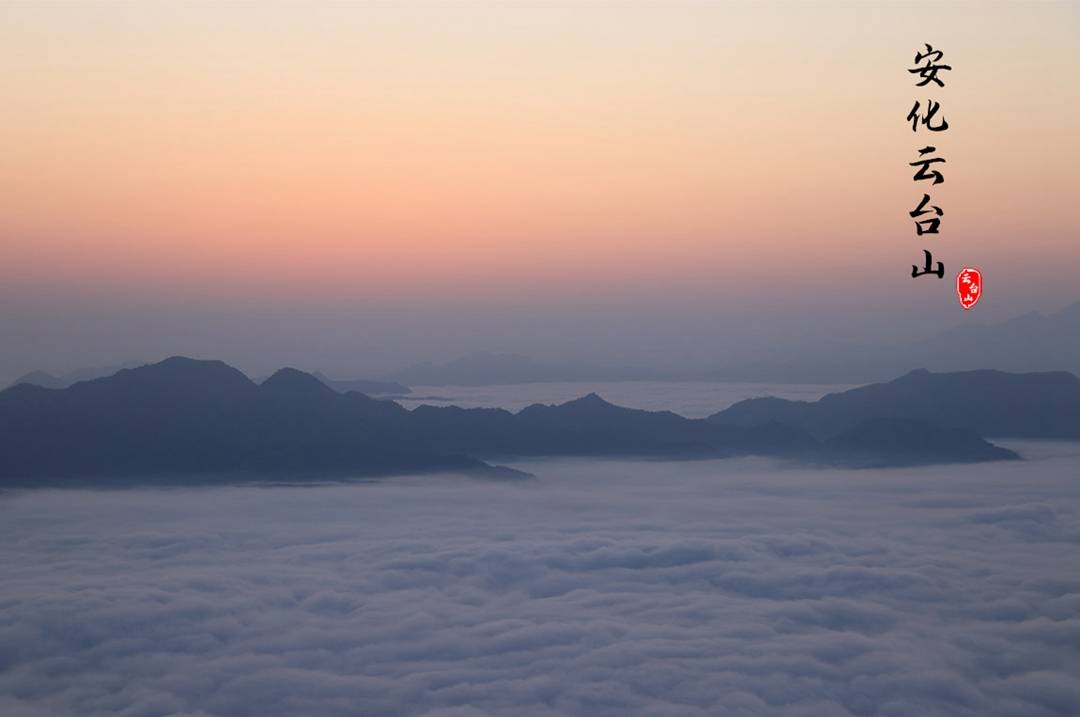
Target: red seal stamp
[(969, 287)]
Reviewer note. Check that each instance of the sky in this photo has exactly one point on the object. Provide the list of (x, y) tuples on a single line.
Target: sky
[(357, 186)]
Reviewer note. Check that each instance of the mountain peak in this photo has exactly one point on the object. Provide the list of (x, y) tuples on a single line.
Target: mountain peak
[(912, 375), (589, 400), (295, 381), (181, 370)]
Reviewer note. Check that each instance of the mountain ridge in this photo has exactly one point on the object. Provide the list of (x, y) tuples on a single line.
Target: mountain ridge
[(989, 402), (186, 416)]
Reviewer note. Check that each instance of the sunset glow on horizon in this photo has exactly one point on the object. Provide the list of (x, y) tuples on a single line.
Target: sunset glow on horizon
[(433, 153)]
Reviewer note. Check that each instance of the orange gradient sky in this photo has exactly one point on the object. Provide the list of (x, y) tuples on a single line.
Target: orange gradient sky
[(542, 154)]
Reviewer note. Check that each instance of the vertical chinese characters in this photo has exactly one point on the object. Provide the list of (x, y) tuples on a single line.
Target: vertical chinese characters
[(929, 118)]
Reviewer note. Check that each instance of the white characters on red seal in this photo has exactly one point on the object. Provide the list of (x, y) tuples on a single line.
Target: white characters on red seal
[(969, 287)]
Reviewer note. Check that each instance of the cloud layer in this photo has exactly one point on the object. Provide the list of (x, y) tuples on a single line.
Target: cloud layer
[(735, 587)]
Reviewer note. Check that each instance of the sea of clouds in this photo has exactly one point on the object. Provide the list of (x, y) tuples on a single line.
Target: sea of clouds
[(740, 587)]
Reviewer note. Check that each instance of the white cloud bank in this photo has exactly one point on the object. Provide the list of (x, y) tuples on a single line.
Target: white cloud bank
[(712, 588)]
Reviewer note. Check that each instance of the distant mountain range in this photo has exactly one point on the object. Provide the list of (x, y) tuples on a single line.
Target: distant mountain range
[(203, 421), (48, 380), (485, 368), (369, 387), (365, 386), (1029, 343), (1032, 342)]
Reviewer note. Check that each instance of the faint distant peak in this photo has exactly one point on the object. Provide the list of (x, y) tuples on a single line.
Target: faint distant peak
[(45, 379), (1072, 311), (370, 387), (42, 379)]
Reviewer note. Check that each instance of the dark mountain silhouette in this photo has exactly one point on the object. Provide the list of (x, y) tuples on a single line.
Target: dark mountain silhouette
[(485, 368), (988, 403), (590, 426), (878, 442), (365, 386), (183, 419)]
